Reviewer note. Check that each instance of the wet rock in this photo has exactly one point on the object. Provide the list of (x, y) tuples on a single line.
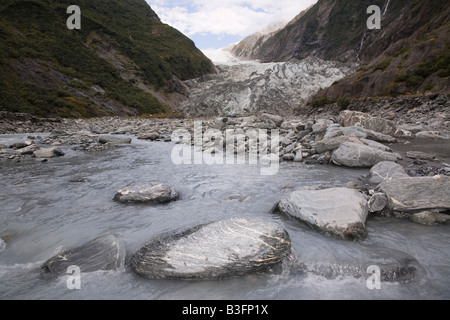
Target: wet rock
[(339, 212), (19, 145), (432, 135), (288, 157), (420, 156), (298, 156), (113, 140), (154, 193), (395, 266), (152, 136), (28, 150), (377, 202), (377, 145), (103, 253), (386, 170), (2, 245), (360, 156), (46, 153), (215, 251), (417, 194), (430, 218)]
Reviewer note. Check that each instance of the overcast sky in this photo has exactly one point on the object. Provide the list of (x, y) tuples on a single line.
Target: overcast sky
[(214, 24)]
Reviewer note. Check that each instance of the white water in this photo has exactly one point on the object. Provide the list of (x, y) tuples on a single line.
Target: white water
[(43, 213)]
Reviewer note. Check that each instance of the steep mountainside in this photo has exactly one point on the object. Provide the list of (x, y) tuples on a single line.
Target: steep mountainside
[(410, 53), (123, 61)]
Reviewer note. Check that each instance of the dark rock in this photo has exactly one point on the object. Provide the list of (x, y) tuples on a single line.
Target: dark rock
[(103, 253), (377, 202), (215, 251), (420, 156), (154, 193), (152, 136)]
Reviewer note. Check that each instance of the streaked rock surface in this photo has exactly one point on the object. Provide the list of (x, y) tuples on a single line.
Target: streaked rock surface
[(153, 193), (215, 251)]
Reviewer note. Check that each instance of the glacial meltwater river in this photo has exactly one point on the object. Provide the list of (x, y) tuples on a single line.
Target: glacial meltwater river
[(43, 212)]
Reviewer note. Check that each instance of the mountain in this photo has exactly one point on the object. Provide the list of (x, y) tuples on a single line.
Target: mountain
[(410, 53), (123, 60)]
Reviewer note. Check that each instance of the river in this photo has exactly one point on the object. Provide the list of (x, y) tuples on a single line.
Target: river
[(43, 212)]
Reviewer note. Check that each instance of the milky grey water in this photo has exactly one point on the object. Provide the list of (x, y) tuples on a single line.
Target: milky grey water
[(42, 212)]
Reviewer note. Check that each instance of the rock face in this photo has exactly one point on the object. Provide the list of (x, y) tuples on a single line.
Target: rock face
[(340, 212), (113, 140), (417, 194), (154, 193), (360, 156), (386, 170), (103, 253), (215, 251), (48, 153)]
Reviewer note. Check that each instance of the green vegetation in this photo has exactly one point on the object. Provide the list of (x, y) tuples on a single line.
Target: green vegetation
[(382, 65), (46, 69), (342, 102)]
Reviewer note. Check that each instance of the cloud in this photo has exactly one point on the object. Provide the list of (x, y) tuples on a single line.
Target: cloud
[(226, 17)]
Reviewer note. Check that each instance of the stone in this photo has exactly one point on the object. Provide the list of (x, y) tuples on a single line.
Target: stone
[(27, 150), (2, 245), (101, 254), (152, 136), (330, 144), (298, 156), (417, 194), (356, 155), (113, 140), (420, 156), (19, 145), (277, 121), (430, 218), (289, 157), (354, 131), (377, 202), (377, 145), (349, 118), (432, 135), (338, 212), (215, 251), (386, 170), (48, 153), (380, 125), (154, 193)]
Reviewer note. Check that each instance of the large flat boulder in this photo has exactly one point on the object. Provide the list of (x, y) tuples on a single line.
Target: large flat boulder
[(153, 193), (46, 153), (417, 194), (339, 212), (101, 254), (215, 251), (357, 155)]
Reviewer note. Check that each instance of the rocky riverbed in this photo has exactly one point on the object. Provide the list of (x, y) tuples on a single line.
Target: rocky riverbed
[(395, 173)]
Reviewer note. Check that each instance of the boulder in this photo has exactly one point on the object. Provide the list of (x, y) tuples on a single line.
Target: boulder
[(412, 195), (420, 156), (277, 121), (377, 202), (215, 251), (380, 125), (349, 118), (360, 156), (430, 218), (386, 170), (432, 135), (19, 145), (113, 140), (48, 153), (339, 212), (330, 144), (103, 253), (154, 193), (2, 245), (152, 136), (374, 144)]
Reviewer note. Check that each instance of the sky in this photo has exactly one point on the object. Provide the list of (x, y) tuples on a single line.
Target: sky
[(214, 24)]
